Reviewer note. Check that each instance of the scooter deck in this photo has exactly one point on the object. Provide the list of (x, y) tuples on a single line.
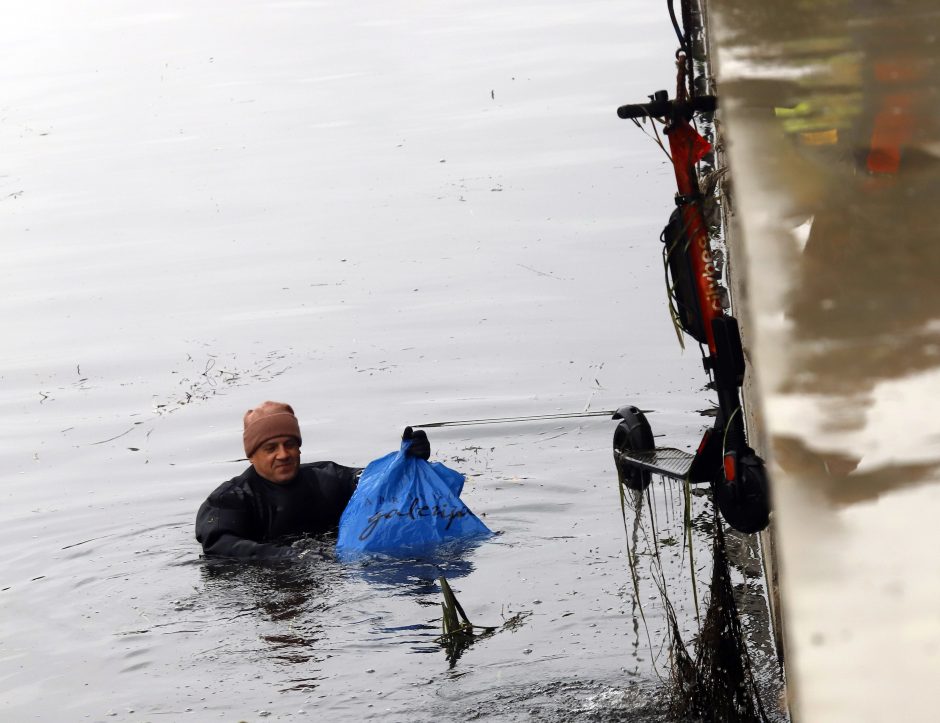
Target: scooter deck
[(666, 461)]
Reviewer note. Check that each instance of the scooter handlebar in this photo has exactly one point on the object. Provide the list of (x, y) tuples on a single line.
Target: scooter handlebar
[(661, 107)]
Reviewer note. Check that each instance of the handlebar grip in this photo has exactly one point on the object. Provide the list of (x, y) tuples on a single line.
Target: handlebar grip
[(663, 108), (641, 110)]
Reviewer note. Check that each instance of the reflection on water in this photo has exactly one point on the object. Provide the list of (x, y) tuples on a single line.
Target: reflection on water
[(288, 605), (415, 576), (833, 116), (302, 597)]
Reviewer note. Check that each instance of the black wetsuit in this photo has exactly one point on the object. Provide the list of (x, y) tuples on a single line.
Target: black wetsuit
[(250, 517)]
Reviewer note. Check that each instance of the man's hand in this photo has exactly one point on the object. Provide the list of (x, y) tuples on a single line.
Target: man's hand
[(420, 446)]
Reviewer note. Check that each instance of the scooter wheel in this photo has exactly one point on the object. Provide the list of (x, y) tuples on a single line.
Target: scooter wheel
[(633, 434), (745, 501)]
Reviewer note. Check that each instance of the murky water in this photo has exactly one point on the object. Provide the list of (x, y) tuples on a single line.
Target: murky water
[(385, 214), (832, 109)]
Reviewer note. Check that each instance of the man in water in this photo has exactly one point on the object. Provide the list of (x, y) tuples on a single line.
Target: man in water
[(277, 499)]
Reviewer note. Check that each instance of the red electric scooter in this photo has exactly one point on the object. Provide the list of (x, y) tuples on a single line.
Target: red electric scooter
[(723, 459)]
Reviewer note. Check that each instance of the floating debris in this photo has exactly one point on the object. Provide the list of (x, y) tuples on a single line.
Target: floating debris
[(457, 630)]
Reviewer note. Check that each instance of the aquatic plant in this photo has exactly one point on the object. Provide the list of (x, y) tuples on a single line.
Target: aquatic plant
[(711, 676), (457, 631)]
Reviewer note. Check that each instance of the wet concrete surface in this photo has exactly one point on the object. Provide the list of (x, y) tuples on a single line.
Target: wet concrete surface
[(831, 115)]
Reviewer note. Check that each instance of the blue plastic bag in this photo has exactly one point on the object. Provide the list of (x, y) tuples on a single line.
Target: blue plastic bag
[(404, 505)]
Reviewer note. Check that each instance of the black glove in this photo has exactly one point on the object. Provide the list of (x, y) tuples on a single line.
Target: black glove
[(420, 446)]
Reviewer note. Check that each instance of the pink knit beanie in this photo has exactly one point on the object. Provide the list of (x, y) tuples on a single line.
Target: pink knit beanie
[(269, 420)]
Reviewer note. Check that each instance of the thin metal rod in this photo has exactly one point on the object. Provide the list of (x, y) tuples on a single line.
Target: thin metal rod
[(503, 420)]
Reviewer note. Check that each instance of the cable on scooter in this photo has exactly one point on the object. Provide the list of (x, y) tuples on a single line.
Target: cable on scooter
[(683, 41)]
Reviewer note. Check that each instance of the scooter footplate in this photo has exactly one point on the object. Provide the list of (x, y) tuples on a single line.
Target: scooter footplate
[(665, 461)]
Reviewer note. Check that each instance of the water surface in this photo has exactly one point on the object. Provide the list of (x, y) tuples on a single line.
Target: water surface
[(385, 214)]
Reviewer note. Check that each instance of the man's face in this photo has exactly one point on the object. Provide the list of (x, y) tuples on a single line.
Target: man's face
[(277, 460)]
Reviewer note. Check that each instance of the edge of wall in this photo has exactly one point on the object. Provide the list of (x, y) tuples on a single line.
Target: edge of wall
[(737, 287)]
